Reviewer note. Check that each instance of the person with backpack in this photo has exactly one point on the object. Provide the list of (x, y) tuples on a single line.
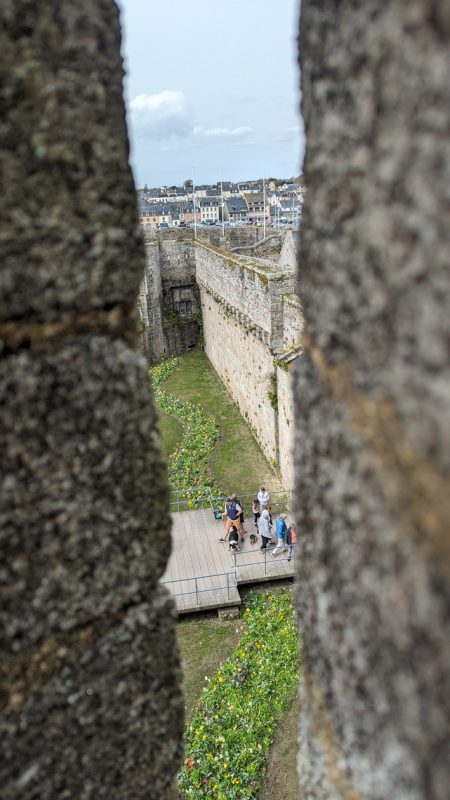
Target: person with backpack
[(232, 512), (291, 539), (281, 530)]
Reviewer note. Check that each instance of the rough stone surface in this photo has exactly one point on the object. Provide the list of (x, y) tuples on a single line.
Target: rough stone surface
[(79, 450), (246, 321), (62, 126), (228, 613), (372, 441), (83, 730), (90, 689)]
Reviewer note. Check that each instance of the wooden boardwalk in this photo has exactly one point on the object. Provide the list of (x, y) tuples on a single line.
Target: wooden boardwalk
[(201, 574)]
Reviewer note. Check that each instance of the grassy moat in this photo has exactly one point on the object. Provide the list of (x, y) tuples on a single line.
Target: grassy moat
[(195, 409), (235, 462)]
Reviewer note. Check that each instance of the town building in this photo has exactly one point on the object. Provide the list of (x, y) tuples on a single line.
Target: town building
[(235, 209), (258, 207), (210, 209)]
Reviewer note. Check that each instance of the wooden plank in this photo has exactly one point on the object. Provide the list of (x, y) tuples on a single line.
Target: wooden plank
[(198, 554), (205, 562)]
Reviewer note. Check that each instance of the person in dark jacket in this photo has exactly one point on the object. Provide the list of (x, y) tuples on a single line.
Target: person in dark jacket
[(232, 512)]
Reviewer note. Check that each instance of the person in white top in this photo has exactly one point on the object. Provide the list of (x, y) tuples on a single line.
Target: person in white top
[(263, 498)]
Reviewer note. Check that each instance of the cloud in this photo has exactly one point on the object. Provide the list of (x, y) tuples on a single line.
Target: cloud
[(160, 116), (222, 132)]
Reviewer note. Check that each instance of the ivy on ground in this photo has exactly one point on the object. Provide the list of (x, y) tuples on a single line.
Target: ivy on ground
[(228, 741), (188, 464)]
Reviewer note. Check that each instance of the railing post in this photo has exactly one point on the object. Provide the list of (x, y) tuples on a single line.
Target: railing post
[(196, 592), (228, 587), (265, 561)]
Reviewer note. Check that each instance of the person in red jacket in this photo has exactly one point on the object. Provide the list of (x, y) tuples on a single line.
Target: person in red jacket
[(291, 538)]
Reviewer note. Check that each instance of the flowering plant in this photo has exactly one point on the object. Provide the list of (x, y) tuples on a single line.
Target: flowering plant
[(228, 741), (188, 464)]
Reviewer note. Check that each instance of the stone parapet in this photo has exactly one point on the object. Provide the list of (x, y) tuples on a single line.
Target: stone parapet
[(90, 675), (64, 252), (372, 433)]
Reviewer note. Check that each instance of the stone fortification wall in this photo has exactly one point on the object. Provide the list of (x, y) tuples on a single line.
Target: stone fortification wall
[(90, 678), (248, 307), (293, 321), (285, 422), (293, 324), (373, 439), (242, 236), (169, 299), (288, 253), (150, 304), (243, 304), (245, 365), (244, 283)]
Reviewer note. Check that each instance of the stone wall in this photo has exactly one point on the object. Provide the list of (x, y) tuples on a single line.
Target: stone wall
[(252, 322), (245, 365), (169, 299), (373, 439), (90, 675), (249, 312), (150, 304)]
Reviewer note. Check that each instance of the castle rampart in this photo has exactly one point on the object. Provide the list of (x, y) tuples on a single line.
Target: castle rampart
[(251, 318)]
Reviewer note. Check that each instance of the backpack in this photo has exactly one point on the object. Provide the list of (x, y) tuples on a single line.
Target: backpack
[(291, 537)]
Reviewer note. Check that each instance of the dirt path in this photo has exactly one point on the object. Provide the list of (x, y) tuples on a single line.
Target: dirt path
[(281, 780)]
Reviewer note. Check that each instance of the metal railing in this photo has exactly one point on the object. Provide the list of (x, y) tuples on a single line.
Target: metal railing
[(238, 558), (189, 499), (229, 582)]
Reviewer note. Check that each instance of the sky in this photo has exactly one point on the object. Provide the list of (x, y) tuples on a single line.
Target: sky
[(211, 89)]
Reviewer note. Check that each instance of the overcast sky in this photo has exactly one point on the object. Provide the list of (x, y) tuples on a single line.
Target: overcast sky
[(211, 89)]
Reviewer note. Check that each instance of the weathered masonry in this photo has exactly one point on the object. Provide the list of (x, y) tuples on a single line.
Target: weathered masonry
[(90, 679), (90, 682), (372, 400), (251, 318)]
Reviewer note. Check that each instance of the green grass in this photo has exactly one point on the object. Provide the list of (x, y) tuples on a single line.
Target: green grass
[(171, 432), (229, 738), (204, 644), (236, 463)]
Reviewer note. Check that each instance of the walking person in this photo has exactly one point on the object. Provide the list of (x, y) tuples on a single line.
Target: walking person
[(234, 499), (232, 512), (263, 498), (256, 509), (281, 531), (291, 538), (264, 529)]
